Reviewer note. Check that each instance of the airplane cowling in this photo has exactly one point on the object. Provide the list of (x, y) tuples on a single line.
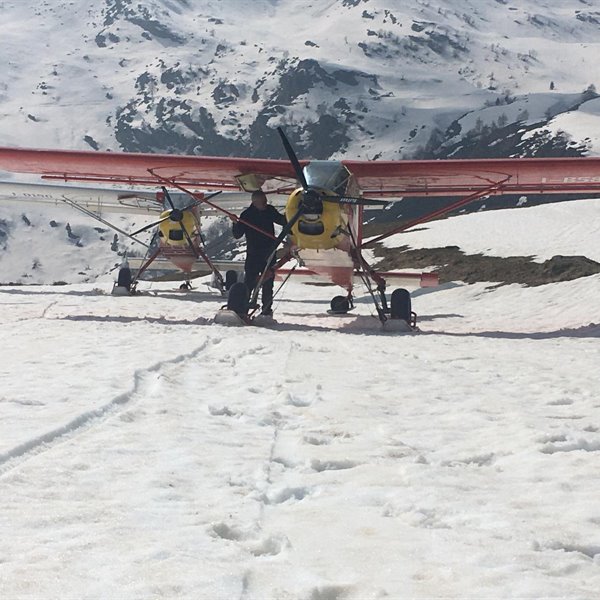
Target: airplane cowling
[(320, 232), (171, 233)]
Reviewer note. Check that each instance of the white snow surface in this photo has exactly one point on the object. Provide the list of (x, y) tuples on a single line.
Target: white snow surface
[(146, 452), (562, 228)]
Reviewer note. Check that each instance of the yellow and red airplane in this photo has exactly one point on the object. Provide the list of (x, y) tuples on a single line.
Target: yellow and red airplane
[(325, 201)]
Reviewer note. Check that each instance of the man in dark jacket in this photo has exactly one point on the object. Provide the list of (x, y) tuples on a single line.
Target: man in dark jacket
[(259, 246)]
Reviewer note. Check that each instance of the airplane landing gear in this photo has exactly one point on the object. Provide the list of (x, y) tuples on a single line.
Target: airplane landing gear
[(340, 305), (400, 307), (124, 278), (237, 299), (231, 277), (186, 285), (124, 285)]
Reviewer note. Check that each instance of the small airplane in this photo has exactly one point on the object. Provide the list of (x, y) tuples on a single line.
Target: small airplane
[(177, 237), (325, 204)]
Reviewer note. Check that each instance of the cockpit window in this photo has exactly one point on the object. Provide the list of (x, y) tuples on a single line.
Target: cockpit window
[(327, 174)]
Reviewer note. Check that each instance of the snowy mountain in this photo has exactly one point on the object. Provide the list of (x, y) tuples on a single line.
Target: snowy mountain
[(363, 78), (356, 78), (147, 452)]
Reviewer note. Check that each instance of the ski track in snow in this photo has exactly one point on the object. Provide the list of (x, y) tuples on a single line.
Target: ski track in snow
[(291, 463), (144, 380)]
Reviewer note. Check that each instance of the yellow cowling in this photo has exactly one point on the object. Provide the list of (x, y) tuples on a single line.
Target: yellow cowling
[(320, 234), (170, 232)]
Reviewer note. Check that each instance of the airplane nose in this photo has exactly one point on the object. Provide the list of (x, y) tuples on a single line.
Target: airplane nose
[(312, 202), (176, 215)]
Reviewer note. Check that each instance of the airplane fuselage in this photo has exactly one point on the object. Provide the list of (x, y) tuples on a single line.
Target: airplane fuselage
[(326, 237), (172, 239)]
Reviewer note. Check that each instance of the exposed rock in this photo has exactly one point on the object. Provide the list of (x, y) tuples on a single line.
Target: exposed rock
[(471, 268)]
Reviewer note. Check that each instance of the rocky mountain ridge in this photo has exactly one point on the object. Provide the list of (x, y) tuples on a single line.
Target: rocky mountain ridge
[(362, 79)]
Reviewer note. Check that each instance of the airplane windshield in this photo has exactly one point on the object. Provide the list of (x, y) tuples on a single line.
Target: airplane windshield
[(327, 174)]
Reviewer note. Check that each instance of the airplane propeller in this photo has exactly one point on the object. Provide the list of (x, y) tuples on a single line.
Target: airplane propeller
[(176, 214), (313, 198)]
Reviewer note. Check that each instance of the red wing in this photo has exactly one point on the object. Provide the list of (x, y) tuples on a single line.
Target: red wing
[(375, 178), (464, 177), (142, 169)]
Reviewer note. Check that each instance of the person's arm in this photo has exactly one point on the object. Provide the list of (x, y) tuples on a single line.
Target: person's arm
[(238, 230), (278, 217)]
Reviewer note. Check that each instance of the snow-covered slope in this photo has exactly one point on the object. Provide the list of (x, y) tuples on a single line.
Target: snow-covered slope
[(565, 228), (147, 453), (46, 245), (360, 78)]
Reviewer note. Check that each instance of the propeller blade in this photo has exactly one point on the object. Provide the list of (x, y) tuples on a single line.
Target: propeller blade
[(150, 226), (153, 238), (293, 159), (189, 240), (199, 202), (354, 200), (168, 197), (288, 227)]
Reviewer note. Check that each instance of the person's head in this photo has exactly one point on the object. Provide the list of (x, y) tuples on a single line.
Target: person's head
[(259, 199)]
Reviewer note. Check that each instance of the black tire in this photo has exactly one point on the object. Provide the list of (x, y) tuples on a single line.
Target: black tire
[(340, 305), (124, 278), (237, 300), (400, 305), (231, 277)]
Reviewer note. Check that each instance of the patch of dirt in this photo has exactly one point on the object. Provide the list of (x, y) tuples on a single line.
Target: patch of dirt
[(455, 265)]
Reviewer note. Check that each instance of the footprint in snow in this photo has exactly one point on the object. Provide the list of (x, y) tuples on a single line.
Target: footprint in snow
[(323, 438), (560, 402), (286, 463), (480, 460), (221, 411), (589, 550), (332, 465), (298, 401), (286, 494), (571, 446), (269, 546), (316, 439), (551, 437), (330, 592), (228, 532)]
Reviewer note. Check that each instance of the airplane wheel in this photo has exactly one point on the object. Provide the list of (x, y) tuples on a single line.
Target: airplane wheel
[(186, 285), (237, 300), (231, 277), (400, 306), (124, 278), (340, 305)]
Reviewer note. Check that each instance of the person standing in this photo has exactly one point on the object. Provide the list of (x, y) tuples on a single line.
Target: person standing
[(259, 246)]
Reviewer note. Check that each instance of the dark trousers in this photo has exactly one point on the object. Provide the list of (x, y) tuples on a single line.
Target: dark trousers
[(254, 266)]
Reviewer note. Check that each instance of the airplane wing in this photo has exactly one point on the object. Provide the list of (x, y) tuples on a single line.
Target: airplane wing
[(392, 179), (468, 176), (104, 200), (147, 169), (94, 199)]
